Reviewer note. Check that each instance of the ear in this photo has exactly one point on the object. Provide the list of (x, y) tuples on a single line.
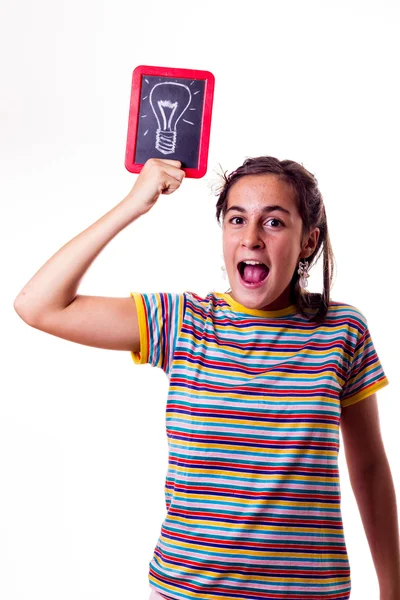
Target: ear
[(310, 243)]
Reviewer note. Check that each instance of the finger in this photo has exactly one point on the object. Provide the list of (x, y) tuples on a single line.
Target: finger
[(174, 172), (174, 163), (170, 184)]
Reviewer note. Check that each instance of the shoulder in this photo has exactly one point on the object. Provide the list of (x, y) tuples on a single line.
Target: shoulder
[(212, 298), (213, 306), (343, 313), (199, 304)]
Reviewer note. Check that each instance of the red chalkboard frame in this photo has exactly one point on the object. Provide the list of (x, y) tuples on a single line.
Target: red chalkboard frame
[(134, 108)]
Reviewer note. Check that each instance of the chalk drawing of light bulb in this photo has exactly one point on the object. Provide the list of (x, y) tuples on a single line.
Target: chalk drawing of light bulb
[(169, 102)]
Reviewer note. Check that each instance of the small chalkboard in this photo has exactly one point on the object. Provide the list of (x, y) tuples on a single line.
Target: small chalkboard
[(170, 117)]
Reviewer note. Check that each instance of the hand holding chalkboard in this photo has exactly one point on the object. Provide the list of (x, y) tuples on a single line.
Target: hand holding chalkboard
[(157, 177)]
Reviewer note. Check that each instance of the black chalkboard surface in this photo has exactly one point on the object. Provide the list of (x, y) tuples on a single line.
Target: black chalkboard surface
[(170, 117)]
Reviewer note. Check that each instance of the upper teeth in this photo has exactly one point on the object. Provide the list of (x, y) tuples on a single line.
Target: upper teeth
[(252, 262)]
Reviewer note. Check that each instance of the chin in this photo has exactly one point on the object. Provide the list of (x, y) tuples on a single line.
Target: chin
[(259, 305), (251, 298)]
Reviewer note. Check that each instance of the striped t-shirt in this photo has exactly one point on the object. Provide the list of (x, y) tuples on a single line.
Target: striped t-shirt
[(253, 415)]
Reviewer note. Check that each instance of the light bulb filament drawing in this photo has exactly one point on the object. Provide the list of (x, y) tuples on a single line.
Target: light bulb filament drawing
[(169, 102)]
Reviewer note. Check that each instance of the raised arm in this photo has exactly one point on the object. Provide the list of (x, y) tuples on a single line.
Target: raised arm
[(49, 301)]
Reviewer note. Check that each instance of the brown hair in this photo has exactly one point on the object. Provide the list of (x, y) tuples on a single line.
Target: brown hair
[(312, 210)]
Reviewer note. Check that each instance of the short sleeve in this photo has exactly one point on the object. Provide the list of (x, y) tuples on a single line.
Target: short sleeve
[(366, 375), (160, 319)]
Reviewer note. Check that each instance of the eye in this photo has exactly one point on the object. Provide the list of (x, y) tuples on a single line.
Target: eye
[(271, 219), (277, 220), (234, 219)]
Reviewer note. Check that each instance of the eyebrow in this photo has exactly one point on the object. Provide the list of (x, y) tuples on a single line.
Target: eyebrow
[(265, 209)]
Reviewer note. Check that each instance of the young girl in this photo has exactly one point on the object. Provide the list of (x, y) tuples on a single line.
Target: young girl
[(261, 378)]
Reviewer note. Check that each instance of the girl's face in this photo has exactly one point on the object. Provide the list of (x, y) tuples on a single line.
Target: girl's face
[(262, 223)]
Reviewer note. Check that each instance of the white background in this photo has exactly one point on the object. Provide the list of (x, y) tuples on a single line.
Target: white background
[(83, 451)]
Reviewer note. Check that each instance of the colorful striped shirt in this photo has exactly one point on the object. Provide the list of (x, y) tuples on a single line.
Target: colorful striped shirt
[(253, 414)]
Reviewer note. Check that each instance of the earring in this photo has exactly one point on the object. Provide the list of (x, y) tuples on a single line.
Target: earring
[(223, 269), (304, 275), (224, 274)]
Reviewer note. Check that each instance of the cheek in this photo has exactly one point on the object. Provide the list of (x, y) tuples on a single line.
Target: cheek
[(229, 245), (285, 253), (227, 254)]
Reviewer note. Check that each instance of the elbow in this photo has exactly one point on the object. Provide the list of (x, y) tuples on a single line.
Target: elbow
[(20, 309), (17, 306)]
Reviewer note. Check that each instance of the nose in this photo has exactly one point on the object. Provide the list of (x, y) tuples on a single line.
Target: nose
[(252, 237)]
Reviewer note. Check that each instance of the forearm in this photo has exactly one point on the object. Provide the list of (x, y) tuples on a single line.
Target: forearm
[(56, 283), (376, 498)]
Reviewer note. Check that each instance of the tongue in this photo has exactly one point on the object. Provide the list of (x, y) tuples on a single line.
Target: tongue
[(254, 273)]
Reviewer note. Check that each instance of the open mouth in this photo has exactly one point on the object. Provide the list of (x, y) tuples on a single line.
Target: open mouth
[(252, 275)]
